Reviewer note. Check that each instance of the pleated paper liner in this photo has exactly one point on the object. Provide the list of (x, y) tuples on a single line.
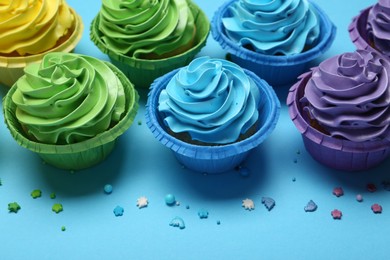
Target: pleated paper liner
[(333, 152), (213, 159), (11, 68), (276, 70), (78, 155), (142, 72)]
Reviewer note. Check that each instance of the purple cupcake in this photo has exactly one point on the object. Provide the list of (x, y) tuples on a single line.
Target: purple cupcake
[(342, 110)]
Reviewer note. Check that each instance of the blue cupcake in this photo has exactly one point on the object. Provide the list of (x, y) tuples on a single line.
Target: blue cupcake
[(276, 40), (211, 113)]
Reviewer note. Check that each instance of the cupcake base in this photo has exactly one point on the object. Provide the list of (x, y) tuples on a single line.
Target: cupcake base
[(213, 159), (333, 152), (78, 155), (12, 68), (276, 70), (142, 72)]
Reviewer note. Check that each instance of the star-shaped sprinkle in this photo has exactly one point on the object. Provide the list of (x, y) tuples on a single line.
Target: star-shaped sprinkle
[(376, 208), (311, 206), (57, 208), (248, 204), (13, 207), (118, 211), (336, 214), (338, 191), (142, 202), (36, 194), (371, 187)]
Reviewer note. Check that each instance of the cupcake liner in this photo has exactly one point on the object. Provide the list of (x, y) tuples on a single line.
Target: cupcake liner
[(334, 152), (213, 159), (276, 70), (11, 68), (142, 72), (78, 155)]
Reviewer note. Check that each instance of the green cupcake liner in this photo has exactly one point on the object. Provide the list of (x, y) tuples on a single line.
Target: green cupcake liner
[(142, 72), (79, 155)]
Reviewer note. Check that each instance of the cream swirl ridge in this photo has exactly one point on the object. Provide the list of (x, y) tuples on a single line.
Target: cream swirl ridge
[(273, 27), (68, 98), (212, 100), (349, 96), (32, 27), (378, 26), (147, 28)]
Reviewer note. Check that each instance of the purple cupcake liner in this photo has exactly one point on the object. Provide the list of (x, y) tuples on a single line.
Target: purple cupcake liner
[(276, 70), (213, 159), (333, 152)]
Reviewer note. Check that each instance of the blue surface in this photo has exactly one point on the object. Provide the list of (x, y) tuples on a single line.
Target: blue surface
[(141, 166)]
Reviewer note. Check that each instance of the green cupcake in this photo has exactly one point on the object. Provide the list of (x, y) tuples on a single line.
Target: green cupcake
[(147, 39), (70, 109)]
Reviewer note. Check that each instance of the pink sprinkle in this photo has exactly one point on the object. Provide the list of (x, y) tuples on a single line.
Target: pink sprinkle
[(338, 191), (359, 198), (371, 187), (336, 214), (376, 208)]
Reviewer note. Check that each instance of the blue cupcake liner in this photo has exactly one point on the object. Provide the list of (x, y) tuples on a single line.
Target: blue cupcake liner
[(276, 70), (333, 152), (213, 159)]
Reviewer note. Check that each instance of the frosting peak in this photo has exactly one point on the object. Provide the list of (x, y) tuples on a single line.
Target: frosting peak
[(349, 96), (212, 100), (274, 27), (378, 26)]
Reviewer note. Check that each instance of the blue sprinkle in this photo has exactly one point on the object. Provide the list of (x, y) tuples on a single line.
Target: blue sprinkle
[(311, 206), (118, 211), (269, 203), (177, 222), (202, 213), (188, 207), (108, 188), (170, 199), (218, 222)]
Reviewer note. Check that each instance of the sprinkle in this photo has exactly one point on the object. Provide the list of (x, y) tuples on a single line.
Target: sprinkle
[(53, 195), (177, 203), (36, 194), (170, 199), (142, 202), (57, 208), (376, 208), (268, 202), (336, 214), (177, 222), (248, 204), (311, 206), (108, 188), (298, 151), (371, 187), (188, 207), (218, 222), (359, 198), (14, 207), (139, 122), (338, 191), (63, 228), (294, 179), (202, 213), (118, 211)]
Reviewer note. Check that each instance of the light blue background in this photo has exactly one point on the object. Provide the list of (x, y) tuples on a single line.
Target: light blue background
[(141, 166)]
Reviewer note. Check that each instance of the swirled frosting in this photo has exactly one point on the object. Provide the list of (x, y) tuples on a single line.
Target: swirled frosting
[(33, 26), (273, 27), (349, 96), (378, 26), (68, 98), (147, 28), (212, 100)]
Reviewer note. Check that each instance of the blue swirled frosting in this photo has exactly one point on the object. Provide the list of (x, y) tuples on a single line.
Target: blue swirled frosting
[(212, 100), (273, 27)]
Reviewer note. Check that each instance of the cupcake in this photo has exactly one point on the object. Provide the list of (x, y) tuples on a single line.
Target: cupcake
[(370, 30), (70, 109), (147, 39), (30, 29), (274, 39), (342, 110), (211, 113)]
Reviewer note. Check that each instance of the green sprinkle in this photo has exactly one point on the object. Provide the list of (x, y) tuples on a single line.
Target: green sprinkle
[(53, 195), (63, 228), (14, 207), (36, 194), (57, 208), (139, 122)]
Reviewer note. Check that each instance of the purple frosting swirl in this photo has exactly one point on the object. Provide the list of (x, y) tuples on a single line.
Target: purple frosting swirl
[(378, 26), (349, 96)]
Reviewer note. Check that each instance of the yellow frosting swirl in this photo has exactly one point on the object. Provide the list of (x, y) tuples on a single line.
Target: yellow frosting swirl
[(33, 26)]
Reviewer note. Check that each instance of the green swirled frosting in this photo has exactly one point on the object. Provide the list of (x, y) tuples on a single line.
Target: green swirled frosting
[(68, 98), (141, 28)]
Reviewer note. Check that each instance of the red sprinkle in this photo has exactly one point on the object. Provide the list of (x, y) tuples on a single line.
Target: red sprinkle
[(338, 191), (336, 214), (371, 187), (376, 208)]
